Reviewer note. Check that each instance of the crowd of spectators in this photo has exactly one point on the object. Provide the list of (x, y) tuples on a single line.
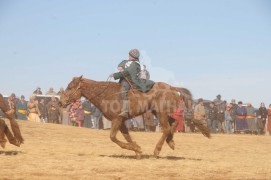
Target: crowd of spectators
[(218, 115), (223, 117)]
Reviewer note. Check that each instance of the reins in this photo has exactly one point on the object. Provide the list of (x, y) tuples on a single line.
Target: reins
[(97, 95)]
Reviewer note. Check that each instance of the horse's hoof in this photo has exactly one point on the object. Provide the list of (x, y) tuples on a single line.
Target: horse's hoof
[(171, 144), (156, 154), (3, 145), (138, 155), (137, 148), (16, 143)]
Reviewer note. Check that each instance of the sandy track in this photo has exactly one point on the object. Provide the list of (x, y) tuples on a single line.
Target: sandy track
[(61, 152)]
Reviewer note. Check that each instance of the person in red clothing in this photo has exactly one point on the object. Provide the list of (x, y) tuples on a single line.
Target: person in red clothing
[(72, 113), (80, 115), (178, 115)]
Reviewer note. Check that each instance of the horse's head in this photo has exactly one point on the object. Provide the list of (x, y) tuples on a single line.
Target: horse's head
[(72, 92)]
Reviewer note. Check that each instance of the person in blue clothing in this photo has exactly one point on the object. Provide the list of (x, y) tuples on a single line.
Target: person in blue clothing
[(240, 121)]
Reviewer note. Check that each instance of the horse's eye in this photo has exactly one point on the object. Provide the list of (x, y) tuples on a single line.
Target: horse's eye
[(69, 87)]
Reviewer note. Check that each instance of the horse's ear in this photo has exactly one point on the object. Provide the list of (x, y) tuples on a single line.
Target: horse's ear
[(80, 78)]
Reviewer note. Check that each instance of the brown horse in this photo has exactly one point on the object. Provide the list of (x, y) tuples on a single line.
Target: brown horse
[(17, 139), (162, 100)]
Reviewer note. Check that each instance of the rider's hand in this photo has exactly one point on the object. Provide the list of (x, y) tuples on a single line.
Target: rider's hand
[(111, 75)]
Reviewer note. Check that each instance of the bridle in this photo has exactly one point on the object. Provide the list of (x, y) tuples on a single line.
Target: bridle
[(67, 98)]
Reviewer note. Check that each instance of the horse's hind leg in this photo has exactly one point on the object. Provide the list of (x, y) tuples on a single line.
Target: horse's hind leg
[(163, 119), (116, 124), (173, 125)]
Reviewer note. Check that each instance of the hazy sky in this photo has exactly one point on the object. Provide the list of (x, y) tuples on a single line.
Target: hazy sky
[(211, 47)]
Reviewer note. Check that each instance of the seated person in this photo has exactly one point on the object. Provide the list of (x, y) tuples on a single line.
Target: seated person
[(128, 75)]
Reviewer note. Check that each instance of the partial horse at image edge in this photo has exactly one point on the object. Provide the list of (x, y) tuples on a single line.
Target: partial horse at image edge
[(15, 138)]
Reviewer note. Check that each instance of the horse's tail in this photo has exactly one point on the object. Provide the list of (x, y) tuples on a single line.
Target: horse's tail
[(187, 96), (188, 100), (202, 127), (13, 123)]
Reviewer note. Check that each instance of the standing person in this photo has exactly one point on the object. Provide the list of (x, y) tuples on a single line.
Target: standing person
[(22, 109), (33, 109), (53, 111), (72, 113), (269, 120), (88, 111), (199, 112), (149, 121), (219, 103), (178, 116), (51, 92), (263, 117), (96, 118), (106, 123), (228, 119), (60, 92), (11, 105), (212, 120), (66, 115), (138, 121), (43, 111), (37, 91), (128, 75), (233, 109), (221, 106), (241, 113), (234, 105), (80, 115), (129, 124), (251, 115), (144, 73), (61, 110), (188, 115)]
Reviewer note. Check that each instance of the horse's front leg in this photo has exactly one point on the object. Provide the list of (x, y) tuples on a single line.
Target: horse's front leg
[(2, 133), (125, 132), (163, 119), (116, 124)]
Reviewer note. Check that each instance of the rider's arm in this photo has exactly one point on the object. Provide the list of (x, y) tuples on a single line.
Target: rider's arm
[(122, 64), (125, 72)]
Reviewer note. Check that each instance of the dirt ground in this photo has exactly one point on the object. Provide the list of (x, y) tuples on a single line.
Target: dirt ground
[(61, 152)]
